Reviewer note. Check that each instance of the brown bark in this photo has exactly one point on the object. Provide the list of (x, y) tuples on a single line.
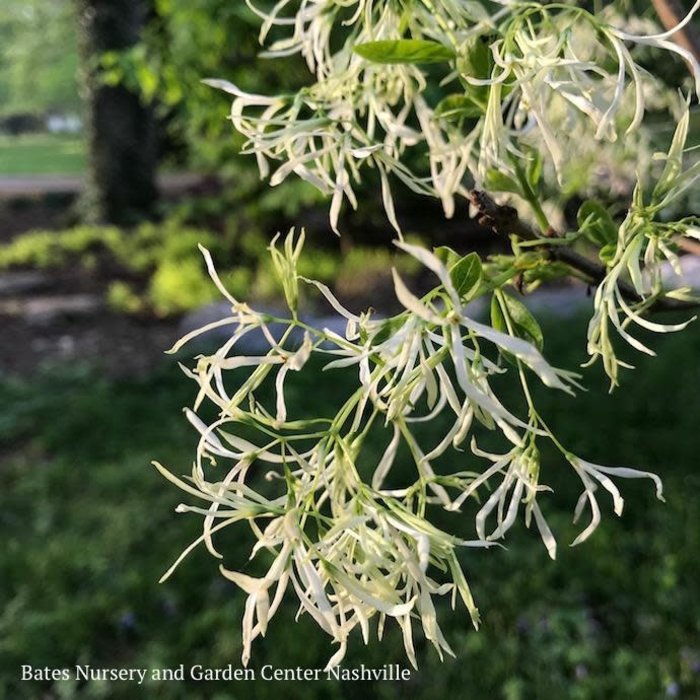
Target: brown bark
[(504, 221), (671, 13)]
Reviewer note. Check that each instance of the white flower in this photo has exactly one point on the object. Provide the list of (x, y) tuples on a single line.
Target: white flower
[(560, 79), (358, 547), (644, 242), (589, 474)]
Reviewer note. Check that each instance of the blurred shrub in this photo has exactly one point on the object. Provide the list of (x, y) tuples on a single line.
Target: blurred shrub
[(180, 285), (122, 297), (157, 267), (154, 267)]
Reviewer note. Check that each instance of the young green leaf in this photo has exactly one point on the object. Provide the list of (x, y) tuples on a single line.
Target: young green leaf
[(405, 51), (447, 256), (477, 60), (386, 330), (496, 181), (459, 107), (595, 222), (523, 323), (466, 275), (607, 253), (534, 169)]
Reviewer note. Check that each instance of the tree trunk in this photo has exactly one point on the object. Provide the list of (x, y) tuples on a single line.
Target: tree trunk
[(121, 184)]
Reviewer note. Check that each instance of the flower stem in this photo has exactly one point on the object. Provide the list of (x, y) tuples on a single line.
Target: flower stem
[(531, 197)]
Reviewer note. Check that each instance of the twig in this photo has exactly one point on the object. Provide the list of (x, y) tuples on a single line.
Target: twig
[(505, 221), (690, 247), (671, 13)]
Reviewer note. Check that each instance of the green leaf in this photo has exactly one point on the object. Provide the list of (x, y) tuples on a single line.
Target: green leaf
[(674, 160), (500, 182), (466, 275), (386, 330), (148, 81), (446, 255), (497, 319), (405, 51), (523, 323), (595, 222), (545, 272), (477, 60), (459, 106), (534, 169), (607, 253)]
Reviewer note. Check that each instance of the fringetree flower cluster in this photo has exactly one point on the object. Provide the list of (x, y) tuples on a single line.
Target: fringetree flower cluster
[(528, 77), (353, 547), (522, 88), (635, 250)]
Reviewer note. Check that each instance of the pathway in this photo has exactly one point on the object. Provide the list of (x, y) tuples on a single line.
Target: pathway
[(36, 185)]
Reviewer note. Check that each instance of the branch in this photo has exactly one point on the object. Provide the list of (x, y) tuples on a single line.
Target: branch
[(504, 221), (671, 13)]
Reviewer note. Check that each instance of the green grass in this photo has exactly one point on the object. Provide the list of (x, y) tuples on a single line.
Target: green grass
[(42, 154), (88, 527)]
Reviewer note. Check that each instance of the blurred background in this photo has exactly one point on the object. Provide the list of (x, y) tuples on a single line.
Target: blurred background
[(115, 162)]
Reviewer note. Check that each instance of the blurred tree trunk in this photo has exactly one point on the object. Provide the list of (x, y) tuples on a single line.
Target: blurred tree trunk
[(121, 184)]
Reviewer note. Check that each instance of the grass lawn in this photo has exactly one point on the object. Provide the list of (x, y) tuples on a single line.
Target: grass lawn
[(88, 527), (41, 154)]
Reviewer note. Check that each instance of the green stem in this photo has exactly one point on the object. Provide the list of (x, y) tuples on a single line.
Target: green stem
[(531, 197)]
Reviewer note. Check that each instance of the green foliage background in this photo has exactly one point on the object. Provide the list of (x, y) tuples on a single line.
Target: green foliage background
[(186, 42), (89, 527), (157, 268), (38, 57)]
